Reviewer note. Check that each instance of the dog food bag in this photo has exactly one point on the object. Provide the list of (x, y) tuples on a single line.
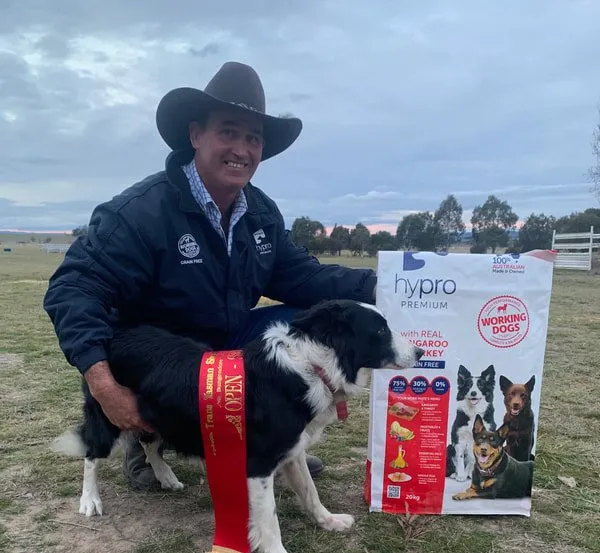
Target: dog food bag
[(456, 434)]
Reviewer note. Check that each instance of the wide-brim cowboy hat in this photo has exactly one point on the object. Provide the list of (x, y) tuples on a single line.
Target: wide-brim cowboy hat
[(234, 85)]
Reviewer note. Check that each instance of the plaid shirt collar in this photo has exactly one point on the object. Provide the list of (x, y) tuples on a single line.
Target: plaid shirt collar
[(208, 205)]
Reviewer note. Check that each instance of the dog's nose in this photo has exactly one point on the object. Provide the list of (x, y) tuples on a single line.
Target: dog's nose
[(473, 394), (419, 353)]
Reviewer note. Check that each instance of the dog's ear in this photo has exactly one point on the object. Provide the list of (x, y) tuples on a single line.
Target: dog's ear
[(530, 384), (503, 431), (489, 374), (322, 317), (478, 425), (305, 319), (463, 373), (505, 383)]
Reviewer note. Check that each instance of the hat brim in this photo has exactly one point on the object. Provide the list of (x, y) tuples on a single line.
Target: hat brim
[(183, 105)]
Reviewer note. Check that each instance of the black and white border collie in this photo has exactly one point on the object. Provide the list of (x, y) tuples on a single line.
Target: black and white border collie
[(475, 396), (289, 402)]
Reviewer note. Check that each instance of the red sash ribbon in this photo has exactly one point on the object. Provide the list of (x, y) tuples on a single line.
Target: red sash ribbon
[(221, 391)]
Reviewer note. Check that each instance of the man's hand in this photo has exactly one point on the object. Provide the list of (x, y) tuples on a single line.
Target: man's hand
[(118, 402)]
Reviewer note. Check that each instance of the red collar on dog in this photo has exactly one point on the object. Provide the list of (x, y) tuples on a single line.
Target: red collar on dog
[(341, 407)]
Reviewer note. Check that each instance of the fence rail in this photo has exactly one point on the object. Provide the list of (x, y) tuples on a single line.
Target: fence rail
[(54, 248), (575, 250)]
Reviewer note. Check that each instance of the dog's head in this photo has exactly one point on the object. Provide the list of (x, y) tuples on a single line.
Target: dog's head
[(358, 335), (517, 397), (487, 446), (475, 389)]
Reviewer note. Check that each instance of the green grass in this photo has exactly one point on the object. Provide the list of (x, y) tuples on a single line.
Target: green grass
[(40, 397)]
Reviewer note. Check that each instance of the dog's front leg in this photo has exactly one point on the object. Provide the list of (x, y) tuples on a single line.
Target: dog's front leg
[(298, 476), (163, 472), (462, 461), (264, 532), (461, 471), (470, 462), (90, 502)]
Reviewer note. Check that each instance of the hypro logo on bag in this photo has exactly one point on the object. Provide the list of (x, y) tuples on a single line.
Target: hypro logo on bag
[(456, 433)]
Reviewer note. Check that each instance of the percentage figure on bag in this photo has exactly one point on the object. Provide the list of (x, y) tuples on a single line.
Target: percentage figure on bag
[(419, 385), (398, 385), (440, 385)]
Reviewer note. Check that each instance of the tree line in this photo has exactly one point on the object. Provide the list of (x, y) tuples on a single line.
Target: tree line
[(494, 226)]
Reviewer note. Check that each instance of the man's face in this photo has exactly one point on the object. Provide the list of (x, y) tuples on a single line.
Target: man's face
[(228, 148)]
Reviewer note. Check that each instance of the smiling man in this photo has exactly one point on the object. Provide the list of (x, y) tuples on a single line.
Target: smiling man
[(191, 248)]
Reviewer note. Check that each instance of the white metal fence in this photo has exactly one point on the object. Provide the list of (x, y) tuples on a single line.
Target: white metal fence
[(575, 249), (54, 248)]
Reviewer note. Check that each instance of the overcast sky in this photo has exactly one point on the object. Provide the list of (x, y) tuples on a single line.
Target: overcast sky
[(402, 102)]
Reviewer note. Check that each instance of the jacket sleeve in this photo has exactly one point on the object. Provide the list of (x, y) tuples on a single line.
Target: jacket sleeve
[(101, 270), (299, 279)]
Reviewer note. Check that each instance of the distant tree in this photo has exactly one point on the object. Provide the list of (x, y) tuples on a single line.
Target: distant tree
[(594, 172), (32, 238), (340, 239), (536, 233), (381, 241), (332, 247), (81, 230), (410, 228), (579, 221), (321, 244), (448, 218), (48, 239), (360, 237), (491, 223), (305, 231), (418, 231)]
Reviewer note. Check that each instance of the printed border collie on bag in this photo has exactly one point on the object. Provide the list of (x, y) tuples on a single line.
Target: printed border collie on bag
[(456, 434)]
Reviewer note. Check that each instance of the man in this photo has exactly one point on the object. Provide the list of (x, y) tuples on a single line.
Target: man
[(191, 248)]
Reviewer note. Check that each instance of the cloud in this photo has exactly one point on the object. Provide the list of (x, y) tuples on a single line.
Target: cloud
[(402, 103), (209, 49), (45, 215)]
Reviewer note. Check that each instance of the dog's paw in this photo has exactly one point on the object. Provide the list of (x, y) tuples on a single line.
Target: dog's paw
[(172, 484), (461, 478), (337, 523), (461, 496), (90, 504), (167, 478)]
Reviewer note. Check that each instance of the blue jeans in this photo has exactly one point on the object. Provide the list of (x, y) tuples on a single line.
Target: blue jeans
[(260, 319)]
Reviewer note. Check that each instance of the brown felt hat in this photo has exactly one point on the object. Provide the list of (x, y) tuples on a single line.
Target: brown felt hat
[(235, 84)]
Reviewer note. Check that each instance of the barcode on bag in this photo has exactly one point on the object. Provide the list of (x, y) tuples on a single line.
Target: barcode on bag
[(393, 492)]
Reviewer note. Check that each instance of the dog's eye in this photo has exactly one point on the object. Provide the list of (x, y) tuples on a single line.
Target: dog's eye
[(381, 331)]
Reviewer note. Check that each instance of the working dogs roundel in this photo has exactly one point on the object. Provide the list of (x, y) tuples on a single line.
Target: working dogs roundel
[(503, 321)]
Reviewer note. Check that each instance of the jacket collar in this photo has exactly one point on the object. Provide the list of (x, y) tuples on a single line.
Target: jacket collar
[(187, 202)]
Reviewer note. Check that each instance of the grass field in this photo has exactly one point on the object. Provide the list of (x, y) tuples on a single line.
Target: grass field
[(39, 492)]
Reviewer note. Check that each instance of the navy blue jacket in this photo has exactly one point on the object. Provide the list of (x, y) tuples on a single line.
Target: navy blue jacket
[(151, 256)]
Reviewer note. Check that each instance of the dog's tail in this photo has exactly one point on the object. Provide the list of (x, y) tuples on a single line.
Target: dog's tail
[(69, 443)]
